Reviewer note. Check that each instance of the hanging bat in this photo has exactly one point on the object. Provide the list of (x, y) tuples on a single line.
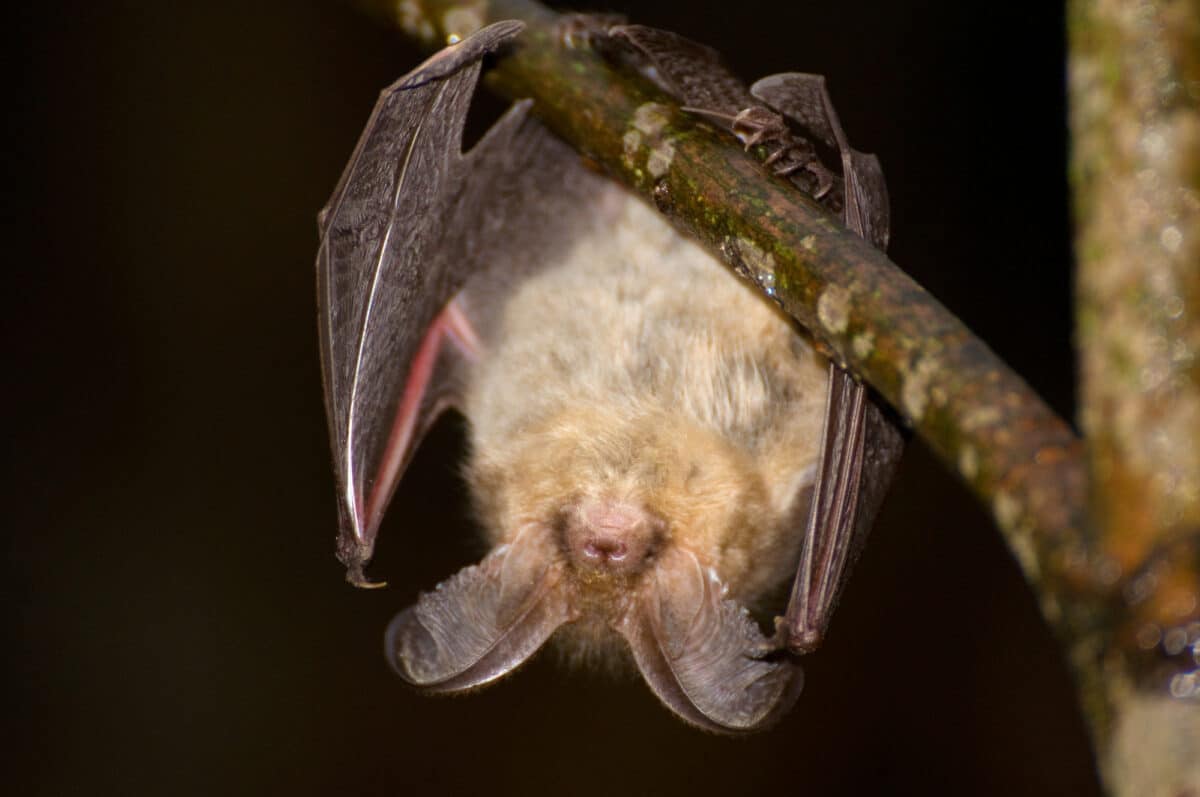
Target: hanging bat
[(653, 446)]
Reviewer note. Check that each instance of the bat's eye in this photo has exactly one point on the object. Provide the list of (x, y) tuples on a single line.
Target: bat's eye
[(610, 535)]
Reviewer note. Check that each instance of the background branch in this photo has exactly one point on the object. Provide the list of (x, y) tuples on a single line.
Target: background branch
[(1135, 102)]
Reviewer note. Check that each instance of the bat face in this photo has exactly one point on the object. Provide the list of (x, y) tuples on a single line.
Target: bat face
[(644, 437), (648, 435)]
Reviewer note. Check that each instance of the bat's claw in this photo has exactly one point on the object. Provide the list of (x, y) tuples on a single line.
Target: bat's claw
[(772, 644), (796, 642), (756, 124), (824, 182), (804, 642), (356, 576), (787, 153)]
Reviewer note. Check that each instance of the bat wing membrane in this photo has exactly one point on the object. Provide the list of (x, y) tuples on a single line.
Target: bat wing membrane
[(687, 70), (411, 219), (860, 446)]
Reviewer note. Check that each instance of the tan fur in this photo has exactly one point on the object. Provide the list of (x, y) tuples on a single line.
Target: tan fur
[(642, 370)]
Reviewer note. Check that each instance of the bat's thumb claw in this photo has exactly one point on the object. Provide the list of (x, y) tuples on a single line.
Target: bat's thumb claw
[(772, 644), (356, 576), (801, 641), (796, 641)]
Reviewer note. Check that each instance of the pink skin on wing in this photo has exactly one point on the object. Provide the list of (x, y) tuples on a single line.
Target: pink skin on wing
[(450, 326)]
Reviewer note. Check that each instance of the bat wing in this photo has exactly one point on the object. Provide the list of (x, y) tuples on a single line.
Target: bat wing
[(860, 446), (687, 70), (411, 219)]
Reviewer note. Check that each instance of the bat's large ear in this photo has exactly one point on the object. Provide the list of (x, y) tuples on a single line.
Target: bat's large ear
[(698, 651), (484, 621)]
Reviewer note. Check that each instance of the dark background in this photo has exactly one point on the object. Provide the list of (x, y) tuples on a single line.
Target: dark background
[(180, 623)]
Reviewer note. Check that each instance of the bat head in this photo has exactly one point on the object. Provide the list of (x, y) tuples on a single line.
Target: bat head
[(615, 521), (616, 486)]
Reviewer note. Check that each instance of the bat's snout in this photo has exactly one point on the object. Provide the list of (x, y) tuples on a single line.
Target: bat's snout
[(611, 536)]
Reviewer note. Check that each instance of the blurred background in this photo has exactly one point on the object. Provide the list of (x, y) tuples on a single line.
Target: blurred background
[(179, 622)]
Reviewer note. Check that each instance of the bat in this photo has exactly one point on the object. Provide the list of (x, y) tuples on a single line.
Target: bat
[(653, 446)]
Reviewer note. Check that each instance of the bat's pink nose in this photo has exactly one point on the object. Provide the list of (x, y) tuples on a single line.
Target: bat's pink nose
[(611, 535), (605, 547)]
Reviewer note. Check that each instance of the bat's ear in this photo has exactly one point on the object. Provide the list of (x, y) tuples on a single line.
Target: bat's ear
[(484, 621), (698, 652)]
